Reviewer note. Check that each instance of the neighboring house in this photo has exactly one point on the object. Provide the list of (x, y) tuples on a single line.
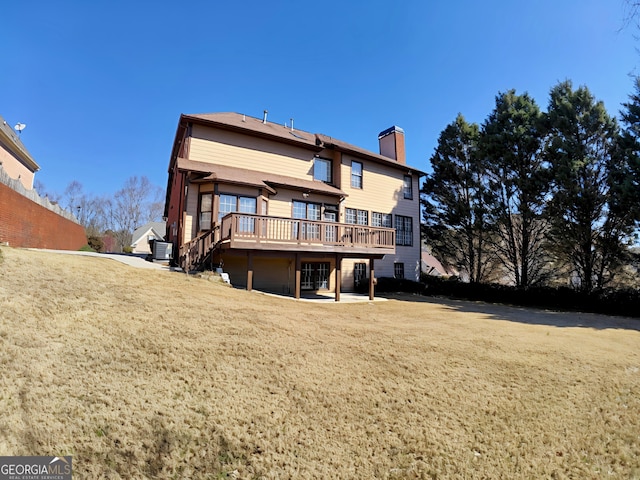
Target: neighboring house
[(140, 241), (16, 161), (26, 219), (432, 266), (287, 211)]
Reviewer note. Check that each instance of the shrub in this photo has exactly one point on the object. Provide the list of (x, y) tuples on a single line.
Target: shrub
[(391, 285), (127, 249), (609, 301), (96, 243), (86, 248)]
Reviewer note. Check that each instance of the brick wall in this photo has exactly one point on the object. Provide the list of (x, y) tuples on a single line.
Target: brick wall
[(24, 223)]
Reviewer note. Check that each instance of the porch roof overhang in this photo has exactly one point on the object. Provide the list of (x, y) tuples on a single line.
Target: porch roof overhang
[(240, 176)]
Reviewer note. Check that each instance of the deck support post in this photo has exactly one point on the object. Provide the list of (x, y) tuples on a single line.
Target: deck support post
[(298, 276), (371, 278), (249, 271), (338, 276)]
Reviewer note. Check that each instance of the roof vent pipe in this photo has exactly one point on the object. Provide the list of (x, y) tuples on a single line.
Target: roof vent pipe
[(264, 118), (291, 124)]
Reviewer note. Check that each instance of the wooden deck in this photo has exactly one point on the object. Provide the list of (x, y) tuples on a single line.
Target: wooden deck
[(258, 232)]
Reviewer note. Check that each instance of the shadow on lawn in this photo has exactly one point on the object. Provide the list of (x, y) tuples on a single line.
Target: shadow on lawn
[(528, 315)]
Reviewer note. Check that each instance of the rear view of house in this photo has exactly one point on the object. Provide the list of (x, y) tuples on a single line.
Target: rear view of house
[(289, 211)]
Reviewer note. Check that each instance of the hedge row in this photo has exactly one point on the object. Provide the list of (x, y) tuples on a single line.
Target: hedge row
[(624, 302)]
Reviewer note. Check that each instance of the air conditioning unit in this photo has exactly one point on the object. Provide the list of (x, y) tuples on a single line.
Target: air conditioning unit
[(162, 250)]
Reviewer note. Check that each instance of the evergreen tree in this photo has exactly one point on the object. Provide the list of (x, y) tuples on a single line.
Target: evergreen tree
[(454, 198), (511, 145), (629, 183), (589, 212)]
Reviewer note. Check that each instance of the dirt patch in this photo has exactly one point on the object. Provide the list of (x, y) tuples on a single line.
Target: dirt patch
[(152, 374)]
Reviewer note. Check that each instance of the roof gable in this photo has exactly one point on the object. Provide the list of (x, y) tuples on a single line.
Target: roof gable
[(314, 141), (157, 228)]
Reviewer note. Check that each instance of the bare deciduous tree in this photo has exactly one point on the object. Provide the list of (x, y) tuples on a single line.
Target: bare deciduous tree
[(135, 204)]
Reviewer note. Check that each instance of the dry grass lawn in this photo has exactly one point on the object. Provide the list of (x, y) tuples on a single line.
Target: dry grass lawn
[(150, 374)]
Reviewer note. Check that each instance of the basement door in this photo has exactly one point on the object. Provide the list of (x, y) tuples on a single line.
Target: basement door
[(315, 276)]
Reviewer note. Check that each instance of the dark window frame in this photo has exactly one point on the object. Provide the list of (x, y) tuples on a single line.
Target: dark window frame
[(398, 270), (329, 169), (359, 178), (407, 187), (359, 273), (200, 211), (404, 235)]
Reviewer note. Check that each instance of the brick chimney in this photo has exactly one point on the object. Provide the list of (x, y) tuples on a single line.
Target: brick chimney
[(392, 144)]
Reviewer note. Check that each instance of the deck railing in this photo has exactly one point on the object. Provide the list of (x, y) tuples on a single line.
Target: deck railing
[(250, 228), (194, 252)]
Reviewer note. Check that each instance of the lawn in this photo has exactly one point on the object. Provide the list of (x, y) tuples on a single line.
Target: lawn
[(151, 374)]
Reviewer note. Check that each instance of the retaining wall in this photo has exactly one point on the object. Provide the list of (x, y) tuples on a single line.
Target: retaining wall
[(27, 220)]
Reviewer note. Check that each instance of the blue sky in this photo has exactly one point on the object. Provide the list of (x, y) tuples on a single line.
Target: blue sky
[(101, 84)]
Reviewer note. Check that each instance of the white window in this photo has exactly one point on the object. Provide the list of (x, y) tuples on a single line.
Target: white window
[(247, 205), (350, 215), (228, 204), (234, 203), (357, 217), (381, 220), (306, 211)]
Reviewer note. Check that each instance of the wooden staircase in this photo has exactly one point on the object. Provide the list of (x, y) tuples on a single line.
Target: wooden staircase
[(195, 253)]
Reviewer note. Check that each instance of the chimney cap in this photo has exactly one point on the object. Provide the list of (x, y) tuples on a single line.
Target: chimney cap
[(389, 131)]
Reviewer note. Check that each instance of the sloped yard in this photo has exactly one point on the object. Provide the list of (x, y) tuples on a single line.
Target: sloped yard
[(151, 374)]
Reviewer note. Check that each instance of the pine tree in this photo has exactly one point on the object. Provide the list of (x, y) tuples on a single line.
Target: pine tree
[(511, 143), (454, 198), (589, 212)]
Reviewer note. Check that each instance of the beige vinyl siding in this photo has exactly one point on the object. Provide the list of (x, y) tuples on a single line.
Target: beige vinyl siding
[(275, 275), (281, 204), (242, 151), (332, 269), (409, 256), (383, 268), (142, 246), (191, 213), (348, 265), (271, 274), (383, 191), (382, 188), (236, 267)]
